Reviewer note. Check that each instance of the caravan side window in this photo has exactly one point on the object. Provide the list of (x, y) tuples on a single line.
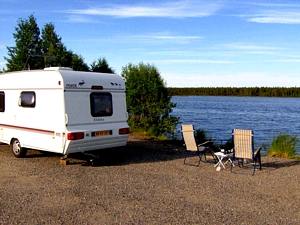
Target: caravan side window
[(27, 99), (101, 104), (2, 101)]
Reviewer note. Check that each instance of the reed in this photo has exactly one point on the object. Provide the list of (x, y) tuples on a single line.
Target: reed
[(283, 146)]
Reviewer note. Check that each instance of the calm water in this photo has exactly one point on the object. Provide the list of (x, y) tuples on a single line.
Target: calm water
[(219, 115)]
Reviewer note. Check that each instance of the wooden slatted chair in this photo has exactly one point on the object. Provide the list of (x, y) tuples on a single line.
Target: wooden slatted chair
[(192, 149), (244, 152)]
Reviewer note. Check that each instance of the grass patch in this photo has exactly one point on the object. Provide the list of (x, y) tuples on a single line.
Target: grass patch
[(283, 146), (148, 134)]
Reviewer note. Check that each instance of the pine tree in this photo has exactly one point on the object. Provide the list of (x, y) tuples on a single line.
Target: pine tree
[(28, 46), (101, 66)]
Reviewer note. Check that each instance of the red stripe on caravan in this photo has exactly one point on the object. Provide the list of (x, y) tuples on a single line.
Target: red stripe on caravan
[(26, 128)]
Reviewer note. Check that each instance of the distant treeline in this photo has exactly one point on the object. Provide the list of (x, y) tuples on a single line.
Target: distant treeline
[(235, 91)]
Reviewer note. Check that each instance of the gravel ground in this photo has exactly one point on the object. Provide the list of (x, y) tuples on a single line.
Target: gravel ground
[(145, 182)]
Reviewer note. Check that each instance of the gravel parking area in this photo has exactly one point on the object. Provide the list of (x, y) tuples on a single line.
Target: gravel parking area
[(145, 182)]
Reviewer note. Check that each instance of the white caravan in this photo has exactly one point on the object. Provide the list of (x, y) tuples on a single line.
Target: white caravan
[(63, 111)]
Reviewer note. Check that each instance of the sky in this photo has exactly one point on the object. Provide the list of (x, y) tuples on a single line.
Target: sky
[(192, 43)]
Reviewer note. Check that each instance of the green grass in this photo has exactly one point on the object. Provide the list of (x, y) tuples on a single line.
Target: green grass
[(283, 146), (150, 134)]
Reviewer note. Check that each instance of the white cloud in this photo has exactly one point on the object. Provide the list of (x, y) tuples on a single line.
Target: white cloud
[(179, 9), (231, 80), (242, 46), (80, 19), (169, 37), (192, 61), (162, 38), (247, 49), (286, 60), (148, 39), (279, 13), (280, 17)]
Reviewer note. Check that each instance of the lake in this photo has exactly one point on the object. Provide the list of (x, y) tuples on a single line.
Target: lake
[(218, 115)]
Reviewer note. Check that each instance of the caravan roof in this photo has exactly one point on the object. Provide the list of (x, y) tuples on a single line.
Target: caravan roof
[(62, 77)]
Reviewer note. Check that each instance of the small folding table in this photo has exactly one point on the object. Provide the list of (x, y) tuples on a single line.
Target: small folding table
[(220, 156)]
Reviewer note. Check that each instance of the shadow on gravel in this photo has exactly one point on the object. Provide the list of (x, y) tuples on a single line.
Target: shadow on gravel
[(134, 152), (139, 152), (40, 154), (276, 164)]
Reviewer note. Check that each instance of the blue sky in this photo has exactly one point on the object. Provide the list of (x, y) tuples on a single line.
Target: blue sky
[(193, 43)]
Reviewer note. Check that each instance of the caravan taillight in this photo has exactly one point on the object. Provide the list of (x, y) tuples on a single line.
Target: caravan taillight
[(75, 136), (124, 131)]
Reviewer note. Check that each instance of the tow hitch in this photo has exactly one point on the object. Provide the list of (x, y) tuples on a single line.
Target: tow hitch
[(91, 159)]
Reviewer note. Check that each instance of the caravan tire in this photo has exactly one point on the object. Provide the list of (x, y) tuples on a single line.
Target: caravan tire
[(17, 150)]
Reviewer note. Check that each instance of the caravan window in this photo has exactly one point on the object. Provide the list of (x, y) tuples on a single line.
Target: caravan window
[(27, 99), (2, 101), (101, 104)]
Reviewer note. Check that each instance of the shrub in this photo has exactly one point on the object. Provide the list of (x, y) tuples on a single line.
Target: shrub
[(201, 135), (148, 100), (284, 146), (227, 146)]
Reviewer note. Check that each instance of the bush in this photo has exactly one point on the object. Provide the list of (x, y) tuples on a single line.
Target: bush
[(283, 146), (201, 135), (148, 101), (227, 146)]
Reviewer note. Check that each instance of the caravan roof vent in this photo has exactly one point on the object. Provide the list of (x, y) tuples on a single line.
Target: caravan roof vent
[(58, 68)]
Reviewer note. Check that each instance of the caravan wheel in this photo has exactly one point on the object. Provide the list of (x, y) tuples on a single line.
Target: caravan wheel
[(17, 150)]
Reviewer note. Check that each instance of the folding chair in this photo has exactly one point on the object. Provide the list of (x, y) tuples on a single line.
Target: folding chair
[(243, 150), (192, 149)]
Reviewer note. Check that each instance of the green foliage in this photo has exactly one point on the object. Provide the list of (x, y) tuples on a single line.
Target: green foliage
[(78, 63), (227, 146), (27, 43), (201, 135), (39, 51), (234, 91), (284, 146), (149, 103), (54, 51), (101, 66)]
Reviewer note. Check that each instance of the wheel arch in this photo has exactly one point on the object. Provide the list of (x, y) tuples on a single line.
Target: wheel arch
[(15, 138)]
